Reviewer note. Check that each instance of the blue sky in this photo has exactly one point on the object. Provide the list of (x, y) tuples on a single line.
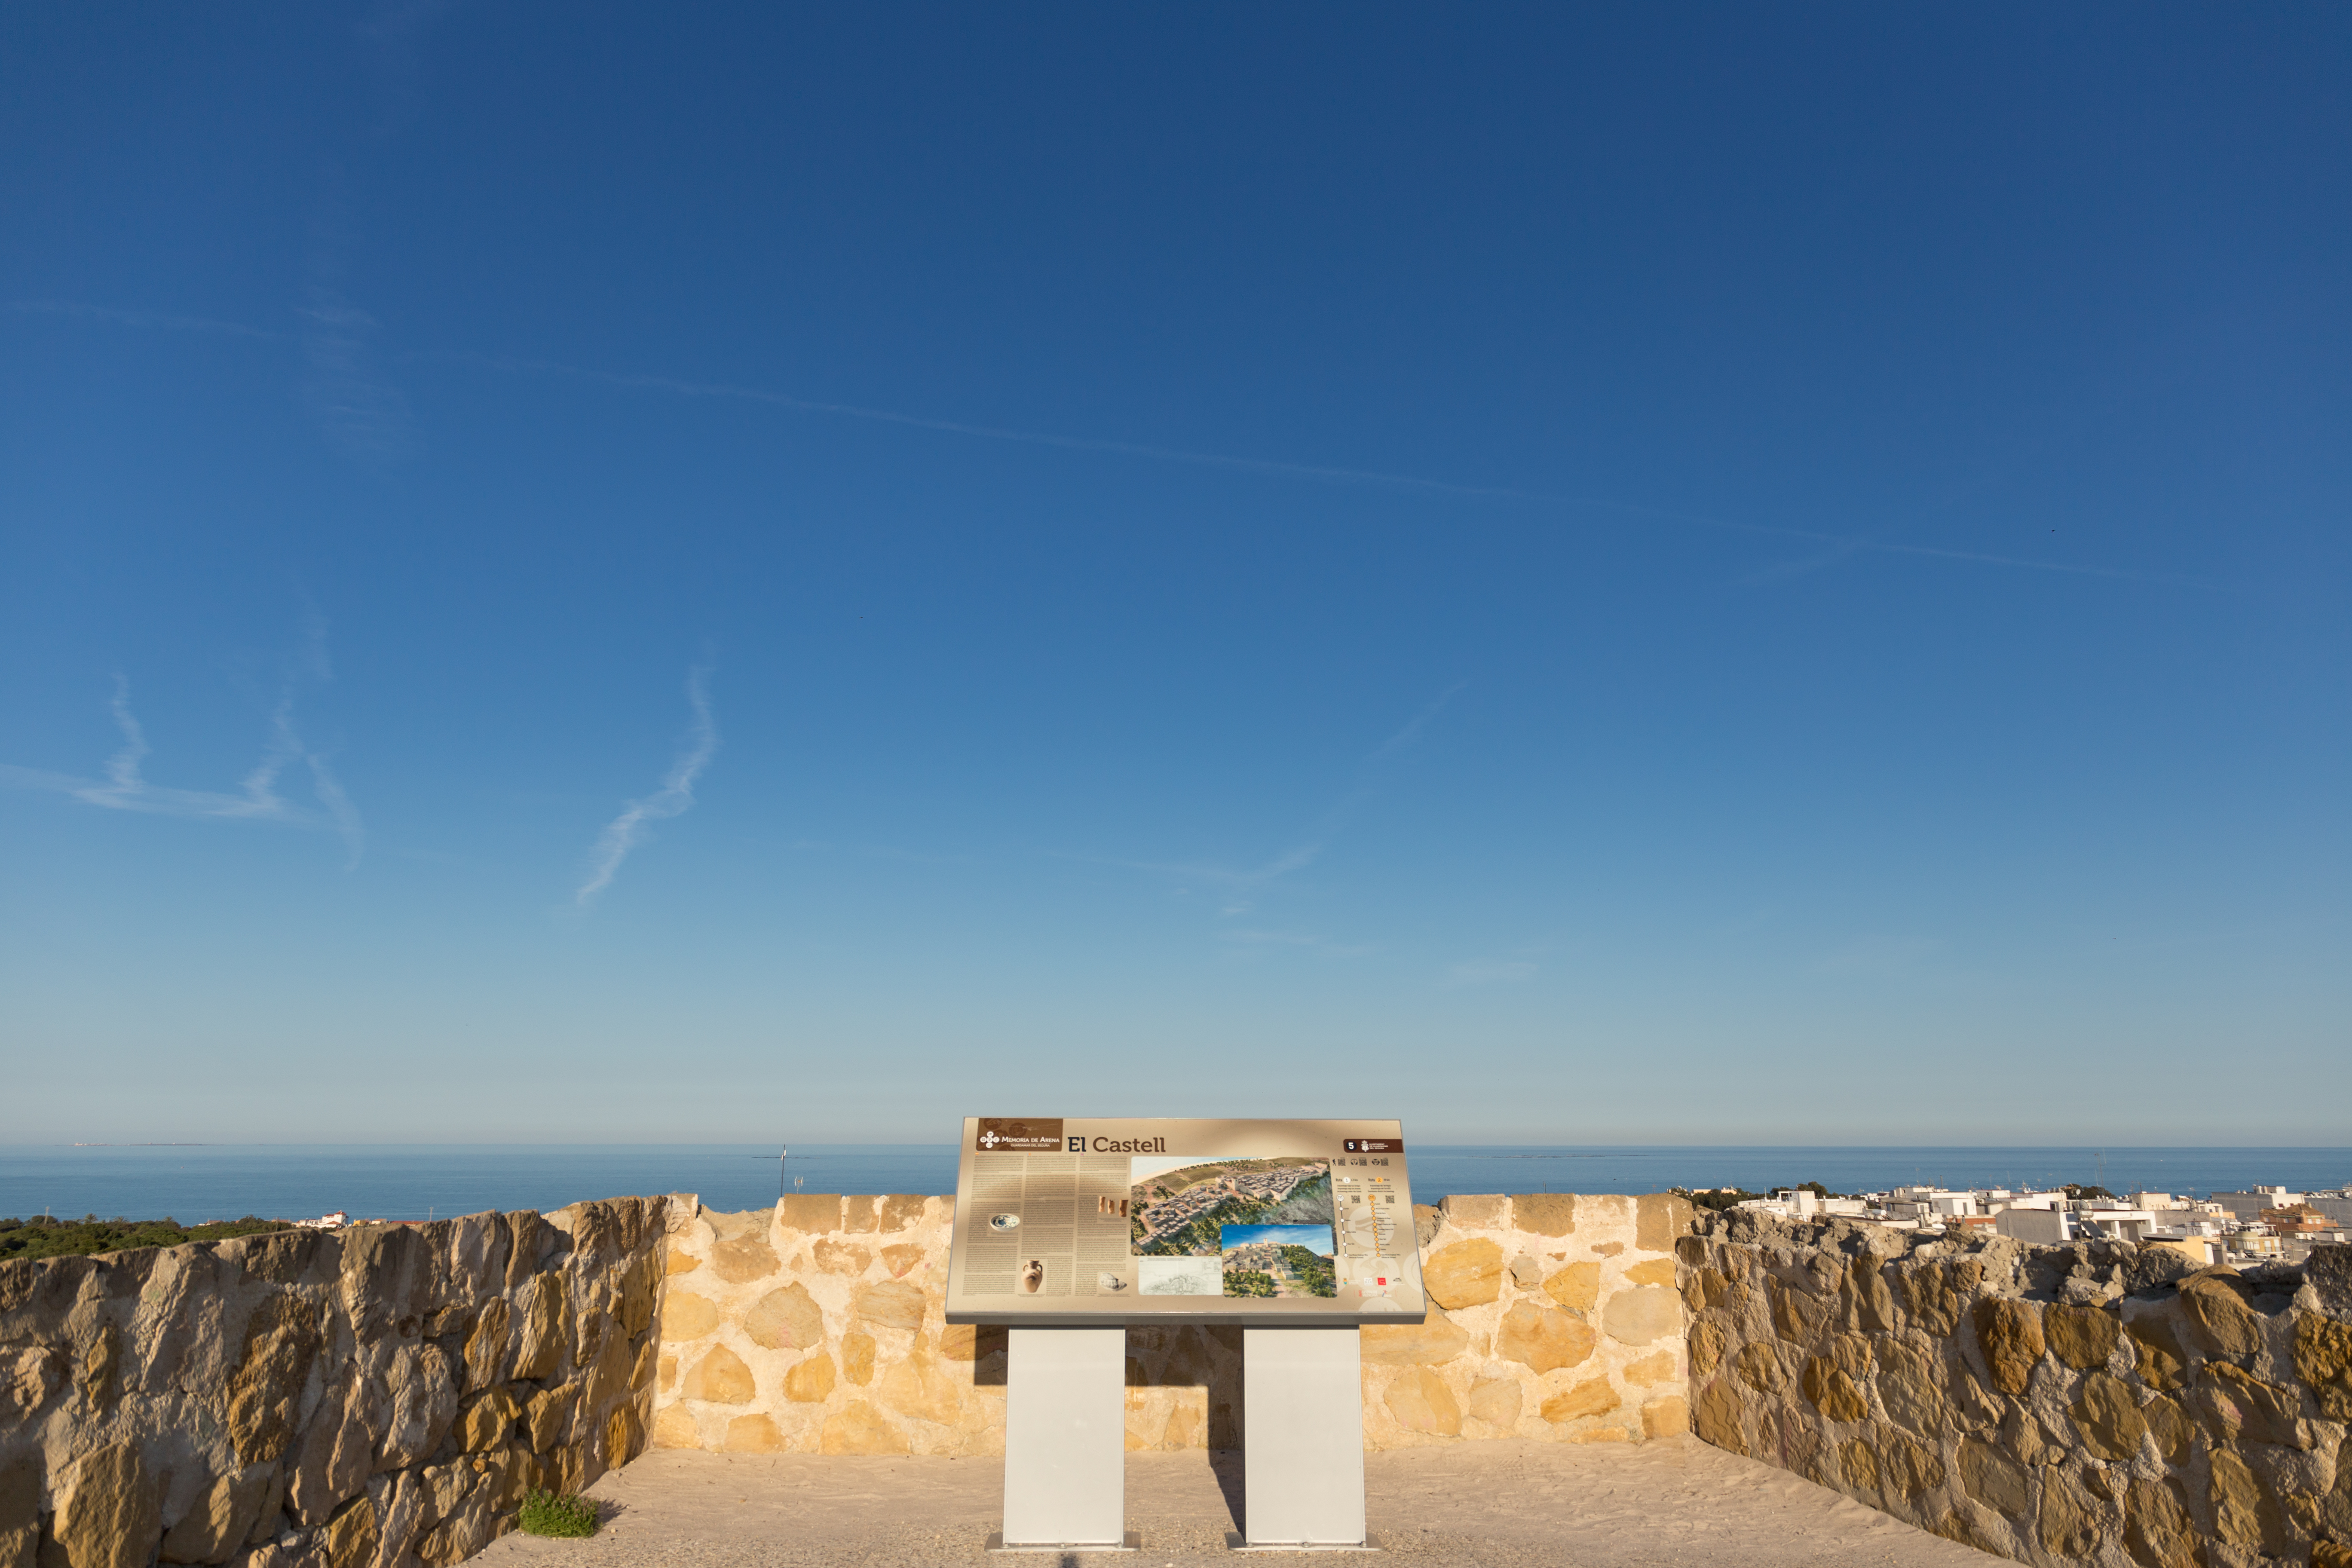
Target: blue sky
[(1697, 575)]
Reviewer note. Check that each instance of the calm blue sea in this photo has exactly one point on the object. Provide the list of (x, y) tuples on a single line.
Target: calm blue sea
[(193, 1183)]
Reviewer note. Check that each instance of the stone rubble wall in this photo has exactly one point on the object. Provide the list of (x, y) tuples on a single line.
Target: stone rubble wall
[(2095, 1404), (376, 1398), (820, 1327)]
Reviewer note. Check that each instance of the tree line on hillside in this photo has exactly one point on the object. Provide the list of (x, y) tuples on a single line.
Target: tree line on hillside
[(41, 1236), (1314, 1272)]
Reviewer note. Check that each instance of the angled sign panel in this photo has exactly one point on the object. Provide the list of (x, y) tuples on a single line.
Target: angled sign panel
[(1095, 1220)]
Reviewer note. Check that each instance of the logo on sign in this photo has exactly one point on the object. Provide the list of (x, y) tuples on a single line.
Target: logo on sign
[(1019, 1135)]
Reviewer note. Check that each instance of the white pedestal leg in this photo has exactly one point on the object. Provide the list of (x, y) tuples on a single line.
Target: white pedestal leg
[(1303, 1436), (1065, 1437)]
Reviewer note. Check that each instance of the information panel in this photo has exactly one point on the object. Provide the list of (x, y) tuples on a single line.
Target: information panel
[(1080, 1220)]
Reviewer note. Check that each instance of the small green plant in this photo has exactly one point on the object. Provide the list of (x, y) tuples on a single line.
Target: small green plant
[(558, 1513)]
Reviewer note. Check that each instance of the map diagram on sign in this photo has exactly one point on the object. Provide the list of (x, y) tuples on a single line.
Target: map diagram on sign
[(1180, 1210), (1366, 1220)]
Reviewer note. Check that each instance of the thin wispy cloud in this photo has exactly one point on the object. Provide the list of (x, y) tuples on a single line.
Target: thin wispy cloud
[(1245, 886), (366, 409), (1237, 878), (325, 786), (156, 319), (1851, 544), (1489, 971), (124, 785), (674, 797), (394, 32), (1415, 725), (363, 415), (1303, 940), (773, 399), (1789, 571)]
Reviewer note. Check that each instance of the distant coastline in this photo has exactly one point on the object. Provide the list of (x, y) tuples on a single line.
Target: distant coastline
[(221, 1180)]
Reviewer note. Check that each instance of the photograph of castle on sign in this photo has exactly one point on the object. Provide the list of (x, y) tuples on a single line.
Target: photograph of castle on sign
[(1180, 1207), (1278, 1260)]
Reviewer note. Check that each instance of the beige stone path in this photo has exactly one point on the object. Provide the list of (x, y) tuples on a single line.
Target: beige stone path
[(1494, 1505)]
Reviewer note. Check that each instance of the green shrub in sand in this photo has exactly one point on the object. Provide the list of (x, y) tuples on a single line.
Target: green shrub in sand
[(558, 1513)]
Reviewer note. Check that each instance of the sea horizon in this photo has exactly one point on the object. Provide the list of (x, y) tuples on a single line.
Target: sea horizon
[(196, 1181)]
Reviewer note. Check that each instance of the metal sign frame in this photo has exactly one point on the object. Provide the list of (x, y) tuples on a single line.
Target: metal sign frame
[(1092, 1221)]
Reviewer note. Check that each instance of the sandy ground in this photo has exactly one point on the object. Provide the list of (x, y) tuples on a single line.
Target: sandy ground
[(1492, 1505)]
